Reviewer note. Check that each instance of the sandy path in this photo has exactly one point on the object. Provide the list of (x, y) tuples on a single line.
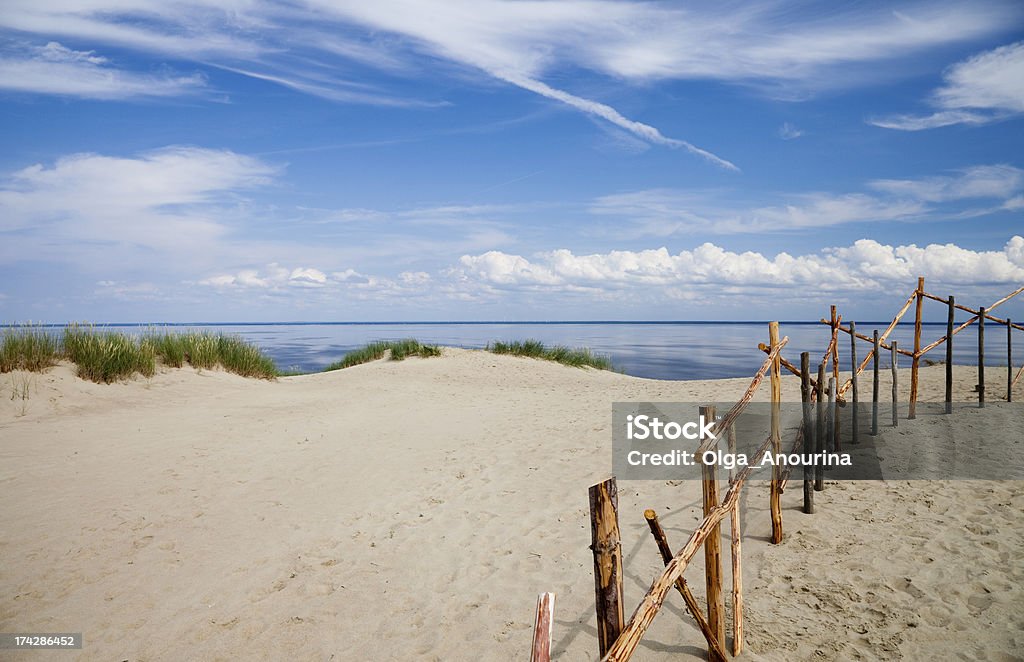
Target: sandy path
[(413, 510)]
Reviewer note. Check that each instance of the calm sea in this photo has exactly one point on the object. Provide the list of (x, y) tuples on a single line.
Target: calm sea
[(659, 350)]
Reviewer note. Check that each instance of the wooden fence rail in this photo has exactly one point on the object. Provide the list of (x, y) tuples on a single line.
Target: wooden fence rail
[(818, 432)]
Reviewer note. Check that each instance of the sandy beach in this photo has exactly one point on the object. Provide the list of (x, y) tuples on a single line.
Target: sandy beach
[(413, 510)]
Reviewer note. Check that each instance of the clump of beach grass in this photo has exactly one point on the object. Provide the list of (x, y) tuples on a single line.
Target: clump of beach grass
[(397, 350), (28, 347), (105, 356), (577, 358), (205, 351)]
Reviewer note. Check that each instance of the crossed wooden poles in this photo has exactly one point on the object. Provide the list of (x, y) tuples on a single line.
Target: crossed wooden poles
[(618, 639)]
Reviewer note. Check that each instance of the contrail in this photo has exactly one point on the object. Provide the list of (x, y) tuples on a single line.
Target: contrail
[(645, 131)]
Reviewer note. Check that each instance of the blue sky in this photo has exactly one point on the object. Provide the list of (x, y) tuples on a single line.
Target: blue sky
[(506, 160)]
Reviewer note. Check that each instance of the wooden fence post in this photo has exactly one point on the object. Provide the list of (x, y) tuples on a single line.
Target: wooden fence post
[(808, 449), (835, 374), (855, 431), (831, 413), (981, 356), (874, 384), (949, 354), (715, 651), (737, 580), (776, 383), (895, 384), (819, 432), (543, 624), (713, 545), (1009, 360), (916, 361), (604, 529)]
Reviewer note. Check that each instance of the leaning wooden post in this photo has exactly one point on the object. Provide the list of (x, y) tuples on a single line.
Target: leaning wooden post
[(808, 449), (874, 384), (895, 383), (715, 651), (916, 361), (543, 624), (819, 432), (776, 382), (713, 544), (604, 529), (981, 356), (949, 354), (1009, 360), (856, 399)]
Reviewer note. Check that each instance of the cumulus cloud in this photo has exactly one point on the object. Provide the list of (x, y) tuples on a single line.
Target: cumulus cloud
[(866, 264), (984, 88)]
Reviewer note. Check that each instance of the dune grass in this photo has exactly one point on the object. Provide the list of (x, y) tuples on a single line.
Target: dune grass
[(105, 356), (399, 349), (27, 347), (577, 358)]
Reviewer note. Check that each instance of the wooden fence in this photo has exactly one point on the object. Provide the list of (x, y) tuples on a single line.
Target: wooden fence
[(819, 429)]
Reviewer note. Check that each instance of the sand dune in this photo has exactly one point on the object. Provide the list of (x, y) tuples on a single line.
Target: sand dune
[(413, 510)]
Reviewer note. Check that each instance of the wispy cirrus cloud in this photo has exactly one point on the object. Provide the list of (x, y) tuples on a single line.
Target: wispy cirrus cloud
[(322, 48), (57, 69), (171, 201), (970, 192), (985, 88)]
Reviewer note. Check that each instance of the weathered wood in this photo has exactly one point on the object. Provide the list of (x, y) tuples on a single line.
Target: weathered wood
[(988, 309), (972, 320), (607, 548), (776, 384), (819, 428), (875, 355), (1020, 373), (835, 372), (949, 353), (895, 384), (981, 358), (732, 451), (855, 426), (727, 421), (846, 330), (785, 364), (543, 624), (713, 545), (832, 443), (737, 580), (915, 363), (648, 608), (805, 398), (1009, 362), (715, 651)]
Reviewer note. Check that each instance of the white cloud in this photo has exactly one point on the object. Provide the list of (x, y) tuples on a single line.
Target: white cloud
[(665, 212), (984, 88), (867, 264), (166, 201), (56, 69), (992, 181), (789, 132), (303, 45)]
